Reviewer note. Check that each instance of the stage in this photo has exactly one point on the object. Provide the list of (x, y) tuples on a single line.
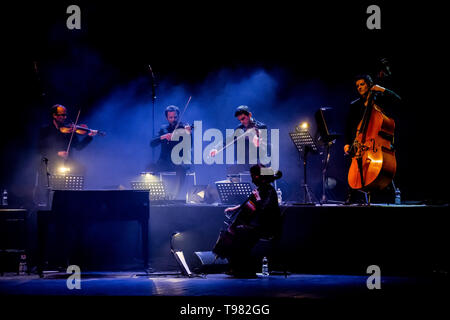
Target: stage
[(267, 297), (322, 258), (405, 239), (105, 233)]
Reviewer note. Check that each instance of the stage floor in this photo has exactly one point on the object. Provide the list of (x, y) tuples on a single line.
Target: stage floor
[(281, 294)]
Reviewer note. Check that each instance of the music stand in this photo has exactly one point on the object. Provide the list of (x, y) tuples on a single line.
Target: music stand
[(305, 144), (233, 193), (66, 182), (328, 139), (156, 189)]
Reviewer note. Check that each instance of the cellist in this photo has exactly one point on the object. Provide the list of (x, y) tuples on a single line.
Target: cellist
[(369, 93)]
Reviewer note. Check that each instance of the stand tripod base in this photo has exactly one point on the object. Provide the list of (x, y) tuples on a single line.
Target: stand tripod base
[(308, 195), (350, 197)]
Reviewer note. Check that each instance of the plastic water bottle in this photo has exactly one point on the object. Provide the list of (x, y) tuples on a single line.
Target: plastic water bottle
[(23, 264), (265, 267), (5, 198), (398, 199), (280, 199)]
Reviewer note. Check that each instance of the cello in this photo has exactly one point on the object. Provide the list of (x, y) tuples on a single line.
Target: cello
[(373, 158), (226, 242)]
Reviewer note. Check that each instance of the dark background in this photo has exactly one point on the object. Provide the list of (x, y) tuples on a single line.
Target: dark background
[(311, 53)]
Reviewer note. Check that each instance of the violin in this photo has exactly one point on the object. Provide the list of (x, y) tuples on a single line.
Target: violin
[(81, 129)]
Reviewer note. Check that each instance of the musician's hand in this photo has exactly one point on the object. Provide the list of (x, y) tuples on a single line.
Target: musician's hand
[(167, 136), (213, 153), (377, 88), (347, 149), (256, 193), (255, 141), (93, 133), (188, 129), (63, 154), (231, 209)]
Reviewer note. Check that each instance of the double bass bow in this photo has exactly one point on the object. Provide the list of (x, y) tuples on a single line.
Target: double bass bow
[(373, 158)]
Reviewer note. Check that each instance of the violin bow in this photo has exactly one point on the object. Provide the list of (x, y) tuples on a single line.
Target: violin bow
[(242, 135), (184, 110), (73, 131)]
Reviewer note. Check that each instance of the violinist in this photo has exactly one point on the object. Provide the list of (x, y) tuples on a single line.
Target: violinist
[(54, 140), (164, 139), (369, 92), (250, 126)]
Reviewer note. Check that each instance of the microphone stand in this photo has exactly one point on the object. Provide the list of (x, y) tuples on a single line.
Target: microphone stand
[(153, 103), (47, 174)]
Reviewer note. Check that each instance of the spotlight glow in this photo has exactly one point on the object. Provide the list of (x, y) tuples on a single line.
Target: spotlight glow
[(64, 170), (149, 177), (304, 125)]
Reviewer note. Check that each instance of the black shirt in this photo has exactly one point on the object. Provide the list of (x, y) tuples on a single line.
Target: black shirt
[(386, 100), (263, 215), (51, 141), (166, 146)]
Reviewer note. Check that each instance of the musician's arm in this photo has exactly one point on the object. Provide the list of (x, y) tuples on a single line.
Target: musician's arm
[(156, 141), (386, 92), (81, 144), (392, 94), (264, 142), (388, 100), (352, 122)]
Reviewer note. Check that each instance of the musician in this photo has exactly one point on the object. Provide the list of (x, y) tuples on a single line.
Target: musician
[(247, 123), (164, 139), (53, 144), (383, 98), (53, 151), (258, 217)]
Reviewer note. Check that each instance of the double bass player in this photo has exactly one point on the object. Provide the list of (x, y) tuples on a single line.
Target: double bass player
[(371, 95)]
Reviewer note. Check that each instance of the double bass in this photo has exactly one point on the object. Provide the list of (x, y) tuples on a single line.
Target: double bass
[(373, 157)]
